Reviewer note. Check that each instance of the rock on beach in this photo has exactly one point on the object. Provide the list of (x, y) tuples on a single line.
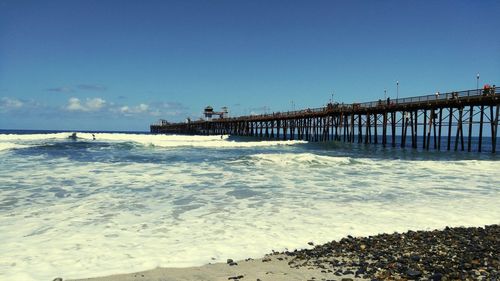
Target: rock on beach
[(461, 253)]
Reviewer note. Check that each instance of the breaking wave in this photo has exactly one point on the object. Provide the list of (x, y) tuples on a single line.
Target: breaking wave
[(10, 145), (163, 141)]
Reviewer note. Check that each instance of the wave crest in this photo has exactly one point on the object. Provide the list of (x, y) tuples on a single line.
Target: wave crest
[(164, 141), (9, 145), (287, 159)]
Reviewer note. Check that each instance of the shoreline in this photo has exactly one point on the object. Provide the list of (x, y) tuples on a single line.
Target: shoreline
[(451, 253)]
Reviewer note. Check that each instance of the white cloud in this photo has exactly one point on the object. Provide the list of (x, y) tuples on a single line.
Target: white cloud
[(124, 109), (10, 103), (139, 109), (96, 105), (93, 104), (74, 105), (156, 110)]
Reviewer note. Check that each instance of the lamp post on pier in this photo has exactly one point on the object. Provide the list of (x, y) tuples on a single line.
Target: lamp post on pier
[(397, 91), (477, 82)]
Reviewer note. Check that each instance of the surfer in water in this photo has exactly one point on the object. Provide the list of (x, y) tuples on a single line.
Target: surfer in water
[(73, 136), (93, 136)]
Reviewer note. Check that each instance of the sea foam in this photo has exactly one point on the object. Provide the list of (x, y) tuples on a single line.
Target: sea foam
[(86, 216), (10, 145), (165, 141)]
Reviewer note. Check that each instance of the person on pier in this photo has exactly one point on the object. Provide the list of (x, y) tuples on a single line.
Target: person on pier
[(486, 89)]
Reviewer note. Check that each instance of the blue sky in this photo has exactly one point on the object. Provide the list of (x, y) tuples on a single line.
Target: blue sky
[(121, 65)]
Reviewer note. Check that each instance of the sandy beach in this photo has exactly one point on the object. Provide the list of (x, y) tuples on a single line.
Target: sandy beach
[(450, 254), (276, 268)]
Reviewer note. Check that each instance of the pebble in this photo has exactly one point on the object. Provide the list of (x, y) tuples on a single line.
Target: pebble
[(436, 277), (438, 255), (415, 257), (413, 274)]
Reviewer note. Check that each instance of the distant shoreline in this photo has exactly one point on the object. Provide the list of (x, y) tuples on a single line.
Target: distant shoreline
[(452, 253)]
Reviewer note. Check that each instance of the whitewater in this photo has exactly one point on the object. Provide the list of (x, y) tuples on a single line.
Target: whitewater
[(128, 202)]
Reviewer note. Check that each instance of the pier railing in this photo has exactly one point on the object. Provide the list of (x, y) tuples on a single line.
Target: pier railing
[(387, 103)]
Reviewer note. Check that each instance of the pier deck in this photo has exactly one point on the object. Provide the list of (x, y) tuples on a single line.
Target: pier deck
[(448, 121)]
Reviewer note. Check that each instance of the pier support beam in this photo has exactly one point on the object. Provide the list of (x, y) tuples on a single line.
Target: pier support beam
[(469, 137), (449, 128)]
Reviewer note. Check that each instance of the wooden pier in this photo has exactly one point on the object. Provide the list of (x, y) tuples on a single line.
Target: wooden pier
[(447, 121)]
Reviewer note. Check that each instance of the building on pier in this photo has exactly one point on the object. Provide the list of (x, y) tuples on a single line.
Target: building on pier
[(209, 113)]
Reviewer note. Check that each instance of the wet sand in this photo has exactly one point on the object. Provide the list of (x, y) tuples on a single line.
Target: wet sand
[(276, 269), (450, 254)]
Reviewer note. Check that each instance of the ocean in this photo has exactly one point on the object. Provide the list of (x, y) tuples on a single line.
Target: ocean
[(126, 202)]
